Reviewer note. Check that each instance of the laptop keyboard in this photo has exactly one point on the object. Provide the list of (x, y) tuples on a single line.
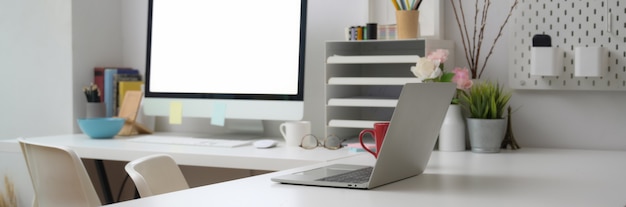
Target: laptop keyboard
[(356, 176)]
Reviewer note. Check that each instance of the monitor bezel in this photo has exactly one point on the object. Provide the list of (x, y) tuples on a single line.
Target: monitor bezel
[(232, 96)]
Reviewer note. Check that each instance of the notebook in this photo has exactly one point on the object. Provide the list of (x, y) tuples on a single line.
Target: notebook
[(406, 149)]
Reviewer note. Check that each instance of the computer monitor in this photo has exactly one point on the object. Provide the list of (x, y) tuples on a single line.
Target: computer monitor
[(233, 59)]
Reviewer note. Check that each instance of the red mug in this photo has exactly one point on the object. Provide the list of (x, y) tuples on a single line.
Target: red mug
[(378, 132)]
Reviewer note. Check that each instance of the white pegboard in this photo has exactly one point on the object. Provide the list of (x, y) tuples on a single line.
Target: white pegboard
[(570, 24)]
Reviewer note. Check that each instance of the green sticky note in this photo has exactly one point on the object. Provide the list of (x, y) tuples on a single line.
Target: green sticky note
[(176, 112), (218, 114)]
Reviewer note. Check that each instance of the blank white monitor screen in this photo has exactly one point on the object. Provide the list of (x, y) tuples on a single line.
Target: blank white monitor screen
[(246, 56)]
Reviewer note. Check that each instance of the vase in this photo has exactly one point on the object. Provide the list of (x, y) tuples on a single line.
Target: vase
[(486, 135), (452, 133)]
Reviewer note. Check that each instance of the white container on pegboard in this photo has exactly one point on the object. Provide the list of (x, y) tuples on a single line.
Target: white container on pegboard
[(590, 61)]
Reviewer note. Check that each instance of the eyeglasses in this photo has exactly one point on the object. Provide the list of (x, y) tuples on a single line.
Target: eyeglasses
[(331, 142)]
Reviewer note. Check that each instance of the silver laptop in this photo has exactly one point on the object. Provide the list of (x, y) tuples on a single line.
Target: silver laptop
[(406, 149)]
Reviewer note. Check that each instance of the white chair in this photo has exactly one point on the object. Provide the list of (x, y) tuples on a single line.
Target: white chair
[(58, 175), (156, 174)]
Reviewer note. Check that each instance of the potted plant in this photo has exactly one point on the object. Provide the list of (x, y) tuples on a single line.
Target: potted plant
[(485, 103)]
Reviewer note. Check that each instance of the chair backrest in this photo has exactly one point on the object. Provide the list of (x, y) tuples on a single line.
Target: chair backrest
[(58, 175), (156, 174)]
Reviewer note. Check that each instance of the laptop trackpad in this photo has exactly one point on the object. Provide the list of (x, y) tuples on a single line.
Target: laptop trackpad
[(327, 171)]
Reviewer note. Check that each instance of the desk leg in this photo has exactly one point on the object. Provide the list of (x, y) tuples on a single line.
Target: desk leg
[(104, 181)]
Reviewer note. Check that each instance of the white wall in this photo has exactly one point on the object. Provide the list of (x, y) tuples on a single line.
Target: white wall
[(48, 50), (36, 68), (96, 41), (47, 53), (134, 32)]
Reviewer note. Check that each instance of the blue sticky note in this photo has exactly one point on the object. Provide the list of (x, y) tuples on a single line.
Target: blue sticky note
[(218, 114)]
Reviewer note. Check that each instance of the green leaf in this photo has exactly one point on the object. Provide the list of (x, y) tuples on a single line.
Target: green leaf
[(446, 77), (485, 100)]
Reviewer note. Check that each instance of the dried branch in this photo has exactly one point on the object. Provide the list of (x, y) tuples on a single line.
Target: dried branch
[(481, 37), (474, 34), (473, 46), (465, 31), (463, 40), (498, 37)]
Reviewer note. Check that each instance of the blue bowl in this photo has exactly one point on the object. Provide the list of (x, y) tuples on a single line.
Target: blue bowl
[(101, 128)]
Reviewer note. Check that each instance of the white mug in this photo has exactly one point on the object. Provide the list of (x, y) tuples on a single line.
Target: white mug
[(293, 131)]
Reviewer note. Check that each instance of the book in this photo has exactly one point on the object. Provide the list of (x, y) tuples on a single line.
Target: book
[(110, 97), (125, 86), (98, 78), (108, 91), (119, 77)]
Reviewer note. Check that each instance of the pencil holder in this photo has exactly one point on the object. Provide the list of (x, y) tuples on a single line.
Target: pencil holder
[(407, 23), (95, 110)]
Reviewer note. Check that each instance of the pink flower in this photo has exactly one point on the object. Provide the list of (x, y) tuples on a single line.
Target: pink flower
[(462, 78), (439, 55)]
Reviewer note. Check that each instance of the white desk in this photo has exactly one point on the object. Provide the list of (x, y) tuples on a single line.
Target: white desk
[(244, 157), (527, 177)]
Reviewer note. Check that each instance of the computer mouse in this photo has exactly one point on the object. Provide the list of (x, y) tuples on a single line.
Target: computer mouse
[(265, 143)]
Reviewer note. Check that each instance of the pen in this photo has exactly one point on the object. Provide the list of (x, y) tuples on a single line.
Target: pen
[(92, 93), (395, 4), (402, 6), (408, 5), (418, 5)]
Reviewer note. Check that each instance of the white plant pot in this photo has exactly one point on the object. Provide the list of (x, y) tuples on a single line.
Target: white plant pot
[(452, 133)]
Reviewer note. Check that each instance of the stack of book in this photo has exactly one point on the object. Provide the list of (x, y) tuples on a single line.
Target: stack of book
[(113, 83)]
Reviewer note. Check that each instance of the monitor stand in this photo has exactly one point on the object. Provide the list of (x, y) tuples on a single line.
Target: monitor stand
[(240, 129), (202, 128)]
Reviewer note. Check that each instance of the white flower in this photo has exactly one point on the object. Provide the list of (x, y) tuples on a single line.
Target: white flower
[(426, 69)]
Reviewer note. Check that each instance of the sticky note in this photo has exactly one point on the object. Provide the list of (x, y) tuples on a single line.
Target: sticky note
[(176, 112), (356, 147), (218, 114)]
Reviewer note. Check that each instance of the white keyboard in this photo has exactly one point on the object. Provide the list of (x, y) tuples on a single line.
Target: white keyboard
[(190, 141)]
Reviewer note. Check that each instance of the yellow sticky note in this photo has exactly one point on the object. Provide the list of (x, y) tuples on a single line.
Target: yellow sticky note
[(218, 114), (176, 112)]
